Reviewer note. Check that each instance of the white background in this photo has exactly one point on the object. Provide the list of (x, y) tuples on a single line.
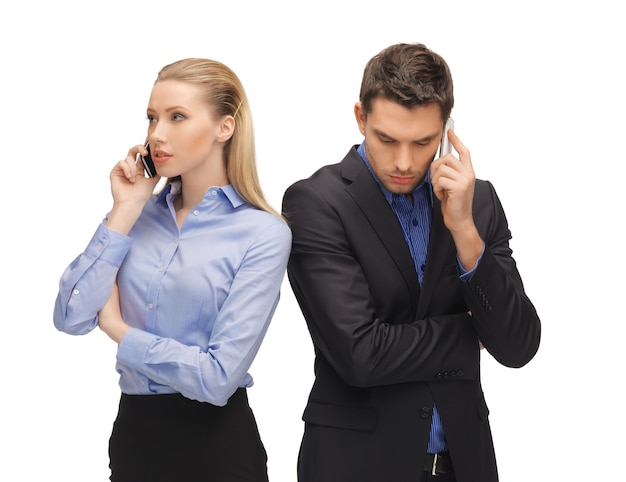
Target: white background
[(539, 90)]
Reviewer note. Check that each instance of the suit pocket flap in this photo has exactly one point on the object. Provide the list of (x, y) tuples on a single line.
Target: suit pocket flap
[(352, 418)]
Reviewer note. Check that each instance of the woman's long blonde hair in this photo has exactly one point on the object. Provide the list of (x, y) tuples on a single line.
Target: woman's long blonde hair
[(225, 94)]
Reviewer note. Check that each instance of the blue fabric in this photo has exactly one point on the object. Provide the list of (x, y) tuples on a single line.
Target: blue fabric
[(199, 299)]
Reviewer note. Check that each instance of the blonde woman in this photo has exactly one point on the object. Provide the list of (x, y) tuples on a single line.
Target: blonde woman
[(185, 281)]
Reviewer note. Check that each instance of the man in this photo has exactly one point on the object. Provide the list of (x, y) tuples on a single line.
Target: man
[(402, 269)]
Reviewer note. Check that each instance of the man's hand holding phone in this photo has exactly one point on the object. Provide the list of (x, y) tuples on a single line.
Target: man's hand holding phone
[(453, 183)]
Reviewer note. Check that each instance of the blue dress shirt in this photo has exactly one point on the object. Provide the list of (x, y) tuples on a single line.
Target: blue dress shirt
[(199, 299), (415, 218)]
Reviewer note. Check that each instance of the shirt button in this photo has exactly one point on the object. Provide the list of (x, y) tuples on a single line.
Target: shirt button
[(150, 306), (415, 222), (213, 193), (196, 212), (142, 382), (76, 292), (425, 412)]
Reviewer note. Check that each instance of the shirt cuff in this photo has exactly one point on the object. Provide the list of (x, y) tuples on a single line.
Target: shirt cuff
[(463, 273), (132, 350)]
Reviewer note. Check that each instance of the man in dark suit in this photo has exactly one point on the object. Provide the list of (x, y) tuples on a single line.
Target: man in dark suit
[(402, 269)]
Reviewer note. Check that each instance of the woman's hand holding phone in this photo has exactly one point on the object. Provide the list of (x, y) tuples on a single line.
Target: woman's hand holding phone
[(131, 189)]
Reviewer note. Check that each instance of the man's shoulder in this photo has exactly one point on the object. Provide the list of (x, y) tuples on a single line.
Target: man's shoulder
[(484, 189), (325, 175)]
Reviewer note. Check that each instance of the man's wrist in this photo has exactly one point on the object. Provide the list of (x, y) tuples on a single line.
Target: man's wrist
[(469, 247)]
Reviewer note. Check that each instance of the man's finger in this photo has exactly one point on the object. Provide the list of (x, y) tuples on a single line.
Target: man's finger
[(464, 154)]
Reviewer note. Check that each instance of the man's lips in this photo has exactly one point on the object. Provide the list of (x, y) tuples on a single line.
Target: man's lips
[(402, 179), (160, 157)]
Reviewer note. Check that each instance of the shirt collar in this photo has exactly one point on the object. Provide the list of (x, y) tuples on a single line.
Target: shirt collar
[(388, 194), (227, 191)]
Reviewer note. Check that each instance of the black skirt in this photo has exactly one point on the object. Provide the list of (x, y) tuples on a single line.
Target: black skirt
[(170, 438)]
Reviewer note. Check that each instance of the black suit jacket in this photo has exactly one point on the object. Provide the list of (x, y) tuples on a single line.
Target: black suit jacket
[(386, 350)]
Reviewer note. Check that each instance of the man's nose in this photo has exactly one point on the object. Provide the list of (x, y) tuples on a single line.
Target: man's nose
[(402, 160)]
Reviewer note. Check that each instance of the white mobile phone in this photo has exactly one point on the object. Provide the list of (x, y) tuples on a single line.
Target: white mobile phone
[(446, 147)]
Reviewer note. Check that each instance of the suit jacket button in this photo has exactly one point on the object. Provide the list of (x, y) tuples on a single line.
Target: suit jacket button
[(425, 412)]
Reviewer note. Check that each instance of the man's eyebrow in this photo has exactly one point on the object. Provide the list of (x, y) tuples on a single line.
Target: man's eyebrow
[(380, 133), (422, 140)]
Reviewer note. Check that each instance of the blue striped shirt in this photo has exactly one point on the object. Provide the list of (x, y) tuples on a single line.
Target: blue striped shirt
[(415, 218)]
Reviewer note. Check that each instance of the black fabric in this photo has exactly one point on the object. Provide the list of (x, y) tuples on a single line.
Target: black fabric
[(440, 465), (386, 349), (172, 438)]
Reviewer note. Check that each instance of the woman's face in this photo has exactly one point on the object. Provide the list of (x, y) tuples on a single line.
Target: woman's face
[(183, 134)]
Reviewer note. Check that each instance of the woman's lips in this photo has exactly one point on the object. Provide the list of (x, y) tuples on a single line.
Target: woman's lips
[(160, 157)]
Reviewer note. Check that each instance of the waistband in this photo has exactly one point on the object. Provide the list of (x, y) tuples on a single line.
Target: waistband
[(176, 406)]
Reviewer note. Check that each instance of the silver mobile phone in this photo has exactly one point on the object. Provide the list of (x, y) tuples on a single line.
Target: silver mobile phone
[(148, 164), (446, 147)]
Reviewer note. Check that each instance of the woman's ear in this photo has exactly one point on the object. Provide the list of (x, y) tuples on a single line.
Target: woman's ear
[(227, 128)]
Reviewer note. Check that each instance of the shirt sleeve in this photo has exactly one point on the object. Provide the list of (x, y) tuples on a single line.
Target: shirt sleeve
[(213, 373), (463, 273), (86, 284)]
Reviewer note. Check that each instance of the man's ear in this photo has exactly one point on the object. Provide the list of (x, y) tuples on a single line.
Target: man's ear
[(360, 117), (227, 127)]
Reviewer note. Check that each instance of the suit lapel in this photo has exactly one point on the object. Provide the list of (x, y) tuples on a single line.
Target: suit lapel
[(439, 251), (367, 194)]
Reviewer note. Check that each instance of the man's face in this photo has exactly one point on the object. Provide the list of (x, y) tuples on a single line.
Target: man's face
[(400, 143)]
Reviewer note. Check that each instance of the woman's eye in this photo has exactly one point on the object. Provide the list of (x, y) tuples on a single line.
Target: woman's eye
[(177, 117), (151, 119)]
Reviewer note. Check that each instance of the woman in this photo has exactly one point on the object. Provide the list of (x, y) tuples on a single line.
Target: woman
[(186, 282)]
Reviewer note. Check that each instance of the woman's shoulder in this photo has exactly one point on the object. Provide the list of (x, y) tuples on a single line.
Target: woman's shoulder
[(261, 220)]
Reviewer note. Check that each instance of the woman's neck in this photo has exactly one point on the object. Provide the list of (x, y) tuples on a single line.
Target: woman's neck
[(194, 186)]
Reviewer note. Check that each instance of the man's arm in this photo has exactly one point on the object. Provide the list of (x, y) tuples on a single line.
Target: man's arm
[(365, 346), (504, 317)]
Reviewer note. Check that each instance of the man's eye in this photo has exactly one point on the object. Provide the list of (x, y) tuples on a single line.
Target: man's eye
[(386, 141)]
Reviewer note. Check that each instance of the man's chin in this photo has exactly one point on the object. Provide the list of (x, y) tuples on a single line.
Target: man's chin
[(403, 189)]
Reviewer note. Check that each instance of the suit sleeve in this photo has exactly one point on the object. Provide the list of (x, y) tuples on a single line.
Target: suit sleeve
[(504, 317), (365, 346)]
